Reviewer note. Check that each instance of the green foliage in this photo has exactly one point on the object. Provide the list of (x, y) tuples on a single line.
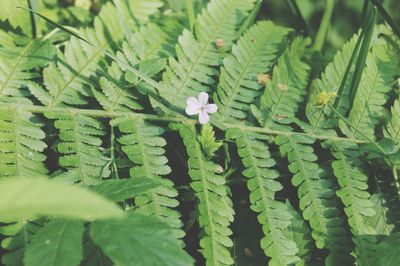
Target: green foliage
[(207, 141), (316, 195), (21, 144), (215, 206), (131, 241), (18, 58), (144, 145), (356, 199), (99, 164), (61, 241), (121, 189), (198, 54), (388, 251), (284, 93), (392, 129), (79, 146), (66, 200), (17, 234), (273, 215), (253, 55)]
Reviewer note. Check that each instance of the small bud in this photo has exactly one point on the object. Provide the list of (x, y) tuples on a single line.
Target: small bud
[(282, 87), (219, 43), (280, 117), (263, 78), (324, 98), (219, 169), (247, 252)]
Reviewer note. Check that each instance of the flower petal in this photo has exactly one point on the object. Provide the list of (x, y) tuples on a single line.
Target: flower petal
[(203, 98), (203, 118), (211, 108), (192, 101), (192, 110)]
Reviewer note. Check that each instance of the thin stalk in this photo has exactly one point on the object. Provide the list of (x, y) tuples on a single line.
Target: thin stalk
[(362, 57), (294, 8), (112, 151), (151, 117), (250, 19), (396, 179), (379, 147), (324, 26), (386, 16)]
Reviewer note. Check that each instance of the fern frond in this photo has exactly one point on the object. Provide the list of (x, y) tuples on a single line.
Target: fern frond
[(299, 232), (149, 43), (215, 206), (273, 215), (392, 129), (197, 56), (368, 103), (329, 82), (18, 61), (21, 144), (316, 194), (79, 147), (68, 81), (142, 10), (356, 198), (253, 55), (144, 145), (382, 221), (113, 94), (284, 93)]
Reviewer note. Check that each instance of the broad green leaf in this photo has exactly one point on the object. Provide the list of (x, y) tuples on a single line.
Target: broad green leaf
[(139, 240), (117, 190), (388, 253), (31, 197), (58, 243)]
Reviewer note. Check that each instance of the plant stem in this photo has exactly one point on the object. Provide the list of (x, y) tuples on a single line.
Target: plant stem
[(112, 151), (324, 26), (396, 179), (379, 147), (182, 119)]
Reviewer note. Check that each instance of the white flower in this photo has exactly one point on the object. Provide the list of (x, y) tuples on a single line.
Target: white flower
[(200, 107)]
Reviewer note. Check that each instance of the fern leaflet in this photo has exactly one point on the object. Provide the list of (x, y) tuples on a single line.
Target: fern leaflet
[(284, 93), (262, 183), (21, 144), (215, 206), (253, 55), (144, 145), (197, 56), (316, 196), (79, 146)]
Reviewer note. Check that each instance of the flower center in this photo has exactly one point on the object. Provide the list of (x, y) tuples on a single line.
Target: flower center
[(202, 109)]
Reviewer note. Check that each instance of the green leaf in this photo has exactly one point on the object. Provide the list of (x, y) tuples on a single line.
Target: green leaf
[(208, 142), (200, 53), (31, 197), (144, 144), (58, 243), (118, 190), (139, 240), (215, 205), (17, 17), (252, 56), (388, 252)]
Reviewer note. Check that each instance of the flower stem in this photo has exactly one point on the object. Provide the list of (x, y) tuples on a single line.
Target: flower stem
[(379, 147)]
